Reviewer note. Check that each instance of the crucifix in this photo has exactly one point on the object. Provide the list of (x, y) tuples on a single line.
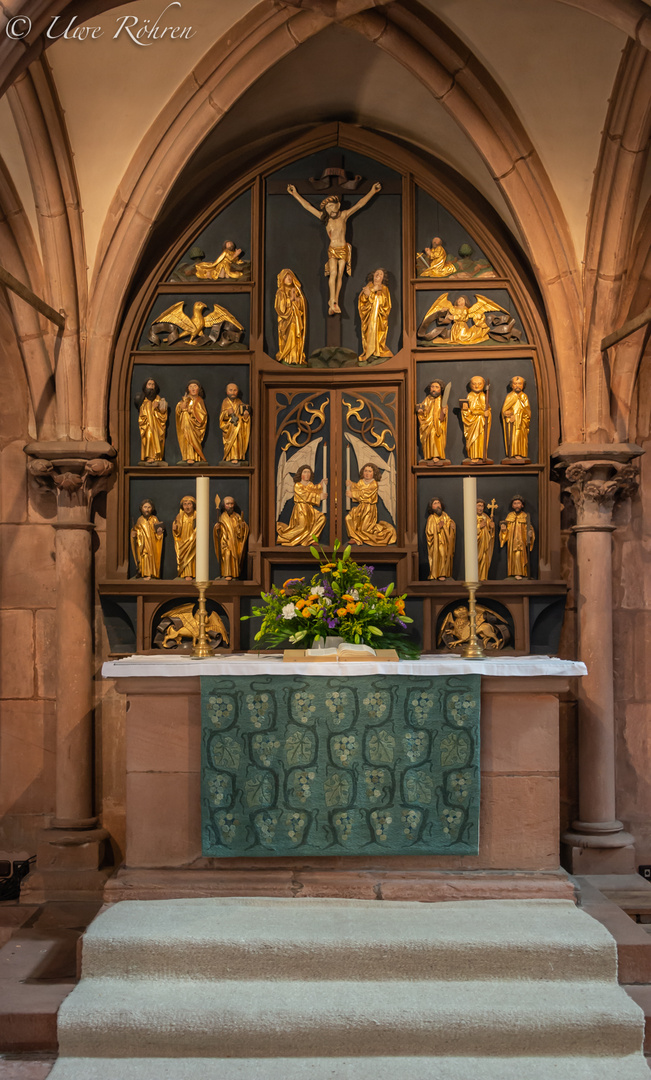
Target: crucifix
[(492, 506)]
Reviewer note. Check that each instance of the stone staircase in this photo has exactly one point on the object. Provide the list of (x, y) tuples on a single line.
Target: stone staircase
[(237, 989)]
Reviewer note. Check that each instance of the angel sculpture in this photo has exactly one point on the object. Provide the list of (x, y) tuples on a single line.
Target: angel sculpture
[(490, 627), (219, 326), (295, 477), (450, 322), (180, 627), (377, 480)]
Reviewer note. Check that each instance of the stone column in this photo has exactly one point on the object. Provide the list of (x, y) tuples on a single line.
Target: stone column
[(70, 852), (596, 477)]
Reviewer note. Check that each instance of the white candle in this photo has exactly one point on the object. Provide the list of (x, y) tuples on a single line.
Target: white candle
[(470, 527), (203, 528)]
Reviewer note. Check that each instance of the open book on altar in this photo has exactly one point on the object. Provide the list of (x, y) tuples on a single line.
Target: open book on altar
[(345, 651)]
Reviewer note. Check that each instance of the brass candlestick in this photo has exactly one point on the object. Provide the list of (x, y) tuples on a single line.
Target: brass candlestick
[(473, 650), (202, 648)]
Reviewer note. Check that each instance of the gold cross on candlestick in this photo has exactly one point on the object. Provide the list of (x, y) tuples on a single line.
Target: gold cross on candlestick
[(492, 506)]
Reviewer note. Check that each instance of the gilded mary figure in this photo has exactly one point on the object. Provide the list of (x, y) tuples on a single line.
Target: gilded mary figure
[(374, 305), (306, 520), (290, 310), (191, 423), (362, 523)]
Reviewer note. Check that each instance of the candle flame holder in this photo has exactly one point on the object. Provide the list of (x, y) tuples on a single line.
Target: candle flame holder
[(474, 649), (202, 649)]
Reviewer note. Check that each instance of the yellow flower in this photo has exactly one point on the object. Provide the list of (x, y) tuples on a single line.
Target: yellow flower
[(328, 566)]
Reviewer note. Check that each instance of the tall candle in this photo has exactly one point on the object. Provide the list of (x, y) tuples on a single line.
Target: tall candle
[(203, 528), (470, 527)]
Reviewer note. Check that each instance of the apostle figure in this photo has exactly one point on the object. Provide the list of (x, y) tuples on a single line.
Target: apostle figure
[(485, 538), (235, 422), (438, 266), (152, 420), (362, 523), (147, 541), (518, 535), (306, 521), (290, 309), (433, 423), (191, 423), (339, 252), (476, 420), (516, 418), (374, 305), (229, 537), (226, 265), (440, 533), (184, 530)]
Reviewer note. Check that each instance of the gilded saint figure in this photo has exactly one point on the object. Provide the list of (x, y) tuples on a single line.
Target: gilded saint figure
[(437, 261), (518, 535), (147, 541), (462, 323), (290, 311), (485, 538), (339, 251), (374, 305), (235, 423), (432, 416), (362, 523), (152, 421), (516, 419), (229, 536), (306, 520), (184, 531), (476, 420), (440, 533), (227, 265), (191, 423)]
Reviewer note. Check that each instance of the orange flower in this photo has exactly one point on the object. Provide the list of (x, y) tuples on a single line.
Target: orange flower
[(351, 608), (328, 566), (342, 611), (306, 612), (301, 603)]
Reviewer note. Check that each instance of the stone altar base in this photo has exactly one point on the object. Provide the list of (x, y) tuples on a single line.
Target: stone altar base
[(237, 989)]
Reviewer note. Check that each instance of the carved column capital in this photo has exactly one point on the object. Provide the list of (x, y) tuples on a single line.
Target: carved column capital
[(74, 472), (595, 480)]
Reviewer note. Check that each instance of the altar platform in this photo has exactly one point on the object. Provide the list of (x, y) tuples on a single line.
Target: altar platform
[(519, 814)]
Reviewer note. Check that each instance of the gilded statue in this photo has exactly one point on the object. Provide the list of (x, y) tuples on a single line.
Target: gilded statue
[(491, 628), (227, 265), (219, 326), (485, 537), (374, 305), (184, 531), (447, 321), (432, 415), (235, 424), (152, 421), (229, 537), (516, 419), (339, 251), (147, 541), (191, 423), (437, 261), (362, 523), (516, 531), (290, 311), (440, 533), (306, 520), (476, 420), (180, 627)]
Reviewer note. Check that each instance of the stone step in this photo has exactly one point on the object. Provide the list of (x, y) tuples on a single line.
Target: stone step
[(232, 1018), (358, 1068), (340, 939), (633, 943)]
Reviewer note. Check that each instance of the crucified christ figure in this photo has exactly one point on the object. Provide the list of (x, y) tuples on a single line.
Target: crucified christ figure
[(339, 251)]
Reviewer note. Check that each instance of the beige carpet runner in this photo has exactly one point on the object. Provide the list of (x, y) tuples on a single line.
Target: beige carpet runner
[(233, 989)]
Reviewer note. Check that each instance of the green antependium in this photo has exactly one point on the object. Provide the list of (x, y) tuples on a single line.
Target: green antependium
[(340, 600)]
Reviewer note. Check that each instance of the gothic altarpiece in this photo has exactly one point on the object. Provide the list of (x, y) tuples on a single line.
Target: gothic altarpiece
[(335, 343)]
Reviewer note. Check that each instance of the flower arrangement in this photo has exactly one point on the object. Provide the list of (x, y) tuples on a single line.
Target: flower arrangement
[(340, 600)]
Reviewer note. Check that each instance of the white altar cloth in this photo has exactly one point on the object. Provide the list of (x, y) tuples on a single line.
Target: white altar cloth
[(183, 667)]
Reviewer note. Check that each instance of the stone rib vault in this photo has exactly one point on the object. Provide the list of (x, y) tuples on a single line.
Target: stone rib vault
[(236, 989)]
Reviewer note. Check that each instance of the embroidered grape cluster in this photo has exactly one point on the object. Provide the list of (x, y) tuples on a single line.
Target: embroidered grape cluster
[(415, 743), (344, 747), (295, 826), (380, 822), (266, 824), (263, 747), (303, 706), (411, 820), (344, 825), (462, 707), (375, 704), (459, 782), (220, 789), (301, 785), (220, 710), (374, 778), (451, 820), (335, 703), (227, 826), (420, 705), (259, 706)]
